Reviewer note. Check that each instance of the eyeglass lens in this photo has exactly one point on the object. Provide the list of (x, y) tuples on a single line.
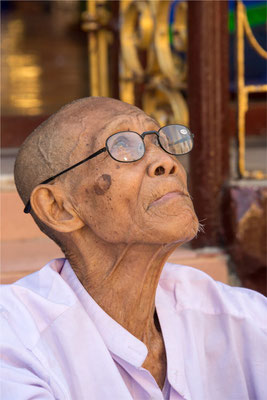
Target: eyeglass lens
[(126, 146), (129, 146), (176, 139)]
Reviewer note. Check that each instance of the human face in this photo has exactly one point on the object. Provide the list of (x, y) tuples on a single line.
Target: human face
[(146, 201)]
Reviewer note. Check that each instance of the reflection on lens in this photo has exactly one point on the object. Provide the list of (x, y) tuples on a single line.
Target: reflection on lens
[(126, 146), (176, 139)]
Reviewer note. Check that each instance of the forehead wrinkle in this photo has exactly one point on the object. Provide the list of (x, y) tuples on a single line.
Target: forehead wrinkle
[(148, 119), (127, 121), (77, 143)]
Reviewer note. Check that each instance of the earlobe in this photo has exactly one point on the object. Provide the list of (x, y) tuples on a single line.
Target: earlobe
[(51, 206)]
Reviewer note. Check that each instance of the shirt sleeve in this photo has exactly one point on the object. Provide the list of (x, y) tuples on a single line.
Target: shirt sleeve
[(22, 375)]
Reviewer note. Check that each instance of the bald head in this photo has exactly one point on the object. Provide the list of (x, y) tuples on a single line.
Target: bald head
[(50, 147), (88, 203)]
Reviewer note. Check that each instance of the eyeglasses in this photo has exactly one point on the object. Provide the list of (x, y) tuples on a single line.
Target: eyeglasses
[(129, 146)]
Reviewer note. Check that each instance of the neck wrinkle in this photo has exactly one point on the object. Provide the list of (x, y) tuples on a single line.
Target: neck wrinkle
[(118, 261), (131, 284), (122, 279)]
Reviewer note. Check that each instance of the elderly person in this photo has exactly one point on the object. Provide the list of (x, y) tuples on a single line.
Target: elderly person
[(113, 320)]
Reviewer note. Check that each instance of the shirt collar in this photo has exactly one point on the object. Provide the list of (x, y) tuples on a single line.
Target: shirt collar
[(173, 331), (117, 339)]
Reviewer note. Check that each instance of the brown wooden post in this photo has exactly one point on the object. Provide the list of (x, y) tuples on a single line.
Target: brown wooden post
[(114, 51), (208, 106)]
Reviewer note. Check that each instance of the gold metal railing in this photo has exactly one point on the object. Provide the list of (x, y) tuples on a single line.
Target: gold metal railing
[(145, 35), (243, 30), (146, 56)]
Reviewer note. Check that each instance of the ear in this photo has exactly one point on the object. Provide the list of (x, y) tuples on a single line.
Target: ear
[(52, 207)]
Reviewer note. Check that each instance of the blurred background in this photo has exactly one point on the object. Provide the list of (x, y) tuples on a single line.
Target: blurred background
[(198, 63)]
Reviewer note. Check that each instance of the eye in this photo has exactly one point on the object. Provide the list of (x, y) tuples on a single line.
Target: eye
[(121, 141), (140, 147)]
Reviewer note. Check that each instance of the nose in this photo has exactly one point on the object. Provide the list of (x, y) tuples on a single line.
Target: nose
[(163, 164)]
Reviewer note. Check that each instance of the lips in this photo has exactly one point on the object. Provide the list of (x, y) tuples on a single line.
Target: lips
[(168, 196)]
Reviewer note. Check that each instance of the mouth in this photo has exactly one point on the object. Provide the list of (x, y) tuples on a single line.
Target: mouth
[(168, 196)]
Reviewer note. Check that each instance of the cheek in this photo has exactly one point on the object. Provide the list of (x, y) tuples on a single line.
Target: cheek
[(105, 208)]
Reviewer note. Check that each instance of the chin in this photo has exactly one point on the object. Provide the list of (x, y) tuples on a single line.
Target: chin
[(180, 230)]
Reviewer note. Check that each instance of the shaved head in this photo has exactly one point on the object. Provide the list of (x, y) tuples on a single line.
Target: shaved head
[(88, 203), (62, 140), (50, 147)]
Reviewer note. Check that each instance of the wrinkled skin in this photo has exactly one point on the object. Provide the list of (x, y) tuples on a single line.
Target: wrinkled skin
[(116, 227), (126, 193)]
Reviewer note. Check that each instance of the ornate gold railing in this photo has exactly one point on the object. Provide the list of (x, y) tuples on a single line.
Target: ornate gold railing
[(145, 35), (243, 30), (147, 57)]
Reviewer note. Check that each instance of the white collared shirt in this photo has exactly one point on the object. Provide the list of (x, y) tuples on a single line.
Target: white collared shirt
[(57, 343)]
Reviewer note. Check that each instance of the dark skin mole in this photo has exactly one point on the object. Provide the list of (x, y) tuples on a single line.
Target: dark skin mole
[(102, 184), (117, 166)]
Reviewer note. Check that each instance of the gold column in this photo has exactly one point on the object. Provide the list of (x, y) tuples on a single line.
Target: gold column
[(96, 19), (241, 94), (243, 29)]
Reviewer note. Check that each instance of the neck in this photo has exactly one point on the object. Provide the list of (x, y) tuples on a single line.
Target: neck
[(122, 279)]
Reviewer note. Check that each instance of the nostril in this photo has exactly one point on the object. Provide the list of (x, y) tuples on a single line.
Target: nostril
[(159, 171), (172, 171)]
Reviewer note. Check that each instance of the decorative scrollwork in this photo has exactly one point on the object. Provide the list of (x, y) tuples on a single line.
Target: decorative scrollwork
[(252, 40), (151, 49), (171, 65), (137, 14), (166, 106)]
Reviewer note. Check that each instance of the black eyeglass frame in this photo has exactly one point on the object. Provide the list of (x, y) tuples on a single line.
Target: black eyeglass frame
[(27, 208)]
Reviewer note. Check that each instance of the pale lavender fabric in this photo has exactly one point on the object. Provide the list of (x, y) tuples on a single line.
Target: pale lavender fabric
[(57, 343)]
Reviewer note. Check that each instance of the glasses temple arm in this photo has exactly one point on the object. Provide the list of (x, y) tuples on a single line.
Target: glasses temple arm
[(27, 208), (74, 166)]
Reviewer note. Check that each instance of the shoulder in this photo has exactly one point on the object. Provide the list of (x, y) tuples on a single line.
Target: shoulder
[(31, 304), (190, 288), (218, 332)]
